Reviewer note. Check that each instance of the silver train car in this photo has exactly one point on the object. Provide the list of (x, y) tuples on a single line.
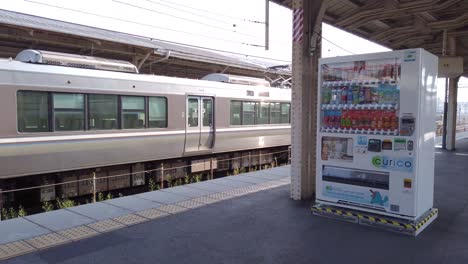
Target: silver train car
[(62, 114)]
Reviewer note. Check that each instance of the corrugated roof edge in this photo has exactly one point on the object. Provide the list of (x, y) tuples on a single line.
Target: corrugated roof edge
[(183, 52)]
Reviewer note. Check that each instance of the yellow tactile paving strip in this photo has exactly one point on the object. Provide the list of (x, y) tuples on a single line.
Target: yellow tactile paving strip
[(205, 200), (15, 249), (130, 219), (78, 233), (189, 204), (152, 213), (46, 241), (52, 239), (106, 225)]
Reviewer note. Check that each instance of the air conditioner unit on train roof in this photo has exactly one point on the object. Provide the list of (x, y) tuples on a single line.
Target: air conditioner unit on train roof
[(236, 79), (74, 60)]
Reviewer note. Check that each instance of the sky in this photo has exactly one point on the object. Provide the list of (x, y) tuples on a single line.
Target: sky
[(225, 25)]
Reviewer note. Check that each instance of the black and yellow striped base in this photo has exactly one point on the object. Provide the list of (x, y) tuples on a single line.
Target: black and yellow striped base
[(389, 223)]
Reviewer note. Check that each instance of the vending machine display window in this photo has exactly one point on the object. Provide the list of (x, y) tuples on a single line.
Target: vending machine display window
[(337, 148), (363, 178), (361, 96)]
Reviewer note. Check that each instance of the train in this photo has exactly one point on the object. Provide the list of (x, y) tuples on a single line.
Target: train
[(67, 116)]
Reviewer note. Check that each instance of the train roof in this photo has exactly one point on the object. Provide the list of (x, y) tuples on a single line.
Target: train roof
[(13, 65)]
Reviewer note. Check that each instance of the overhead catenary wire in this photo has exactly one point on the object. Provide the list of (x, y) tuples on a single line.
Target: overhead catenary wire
[(183, 18), (167, 41), (189, 12), (139, 23), (214, 13), (334, 44)]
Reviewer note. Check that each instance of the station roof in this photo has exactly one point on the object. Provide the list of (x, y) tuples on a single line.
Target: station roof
[(402, 24), (20, 31)]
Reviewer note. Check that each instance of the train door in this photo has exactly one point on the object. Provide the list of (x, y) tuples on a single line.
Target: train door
[(199, 134)]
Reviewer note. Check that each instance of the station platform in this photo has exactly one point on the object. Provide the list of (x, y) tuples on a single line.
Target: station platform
[(266, 226)]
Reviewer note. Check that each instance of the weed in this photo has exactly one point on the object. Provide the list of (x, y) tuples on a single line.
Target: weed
[(235, 171), (65, 203), (5, 215), (47, 206), (151, 185), (21, 211), (109, 196), (198, 178), (179, 182), (169, 181), (12, 213), (100, 197), (187, 179)]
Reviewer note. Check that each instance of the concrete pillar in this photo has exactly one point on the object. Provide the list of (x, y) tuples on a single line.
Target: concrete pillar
[(306, 51), (452, 113)]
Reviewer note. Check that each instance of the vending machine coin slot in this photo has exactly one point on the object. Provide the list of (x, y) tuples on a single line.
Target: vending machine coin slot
[(407, 123)]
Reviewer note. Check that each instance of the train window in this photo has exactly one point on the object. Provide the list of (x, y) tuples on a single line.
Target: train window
[(236, 107), (193, 112), (68, 111), (248, 113), (285, 113), (157, 112), (207, 112), (103, 111), (33, 111), (133, 112), (262, 113), (275, 113)]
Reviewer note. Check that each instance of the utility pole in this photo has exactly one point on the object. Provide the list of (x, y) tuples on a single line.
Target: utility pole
[(444, 120), (267, 24)]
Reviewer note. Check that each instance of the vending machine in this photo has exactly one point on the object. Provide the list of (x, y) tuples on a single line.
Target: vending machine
[(376, 129)]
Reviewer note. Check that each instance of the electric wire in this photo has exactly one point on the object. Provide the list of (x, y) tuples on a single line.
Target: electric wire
[(161, 40), (214, 13), (139, 23), (191, 33), (189, 12), (331, 42), (186, 19)]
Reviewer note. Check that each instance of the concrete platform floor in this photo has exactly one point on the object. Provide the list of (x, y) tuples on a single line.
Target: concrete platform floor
[(268, 227)]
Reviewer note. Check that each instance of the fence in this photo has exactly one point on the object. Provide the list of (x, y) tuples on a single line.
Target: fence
[(460, 128), (93, 178)]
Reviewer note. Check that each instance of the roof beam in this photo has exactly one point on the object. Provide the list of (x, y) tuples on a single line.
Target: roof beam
[(363, 16)]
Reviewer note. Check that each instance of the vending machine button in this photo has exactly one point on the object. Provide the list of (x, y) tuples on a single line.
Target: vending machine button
[(407, 183), (410, 145), (387, 144), (374, 145)]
